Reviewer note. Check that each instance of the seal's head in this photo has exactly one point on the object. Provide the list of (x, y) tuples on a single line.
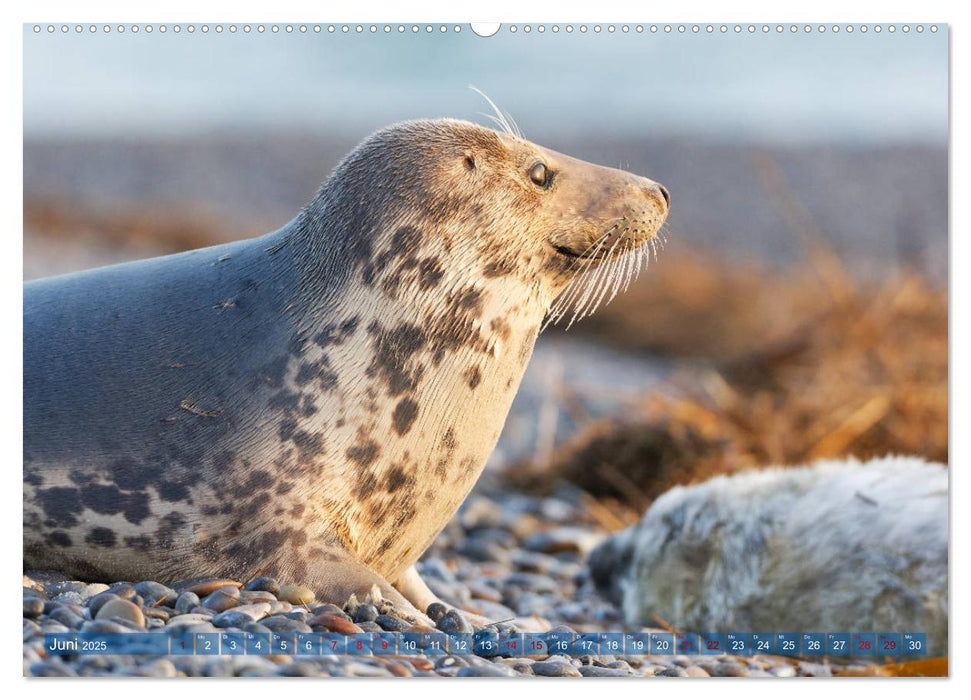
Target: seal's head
[(424, 201)]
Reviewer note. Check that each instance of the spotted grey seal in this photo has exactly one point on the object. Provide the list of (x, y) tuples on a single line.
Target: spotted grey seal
[(316, 403)]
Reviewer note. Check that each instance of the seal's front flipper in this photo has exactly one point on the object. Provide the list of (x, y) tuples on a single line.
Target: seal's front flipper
[(336, 581), (414, 588)]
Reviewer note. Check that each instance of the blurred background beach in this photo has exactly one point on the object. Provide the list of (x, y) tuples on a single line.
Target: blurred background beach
[(797, 311)]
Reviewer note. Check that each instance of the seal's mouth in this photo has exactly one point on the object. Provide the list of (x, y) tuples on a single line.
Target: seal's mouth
[(610, 245)]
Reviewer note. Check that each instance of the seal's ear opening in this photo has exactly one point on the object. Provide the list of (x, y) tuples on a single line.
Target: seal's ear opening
[(469, 161)]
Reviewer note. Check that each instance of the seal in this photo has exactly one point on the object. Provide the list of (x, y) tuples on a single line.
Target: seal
[(836, 545), (316, 403)]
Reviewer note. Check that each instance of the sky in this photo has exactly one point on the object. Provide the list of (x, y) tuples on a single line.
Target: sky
[(788, 87)]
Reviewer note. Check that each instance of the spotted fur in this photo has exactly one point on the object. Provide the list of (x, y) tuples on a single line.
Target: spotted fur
[(326, 424)]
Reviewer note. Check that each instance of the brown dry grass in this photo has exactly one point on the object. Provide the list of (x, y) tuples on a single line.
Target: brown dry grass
[(785, 367)]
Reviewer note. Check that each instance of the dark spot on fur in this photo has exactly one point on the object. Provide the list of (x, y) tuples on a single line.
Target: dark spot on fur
[(366, 484), (101, 537), (364, 453), (404, 416), (430, 273), (59, 538), (168, 529), (61, 504), (33, 478), (129, 475), (393, 351), (474, 376), (499, 267), (397, 478), (334, 334), (288, 426), (172, 491)]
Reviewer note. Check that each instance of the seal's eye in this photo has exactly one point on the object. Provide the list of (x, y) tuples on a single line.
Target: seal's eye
[(541, 175)]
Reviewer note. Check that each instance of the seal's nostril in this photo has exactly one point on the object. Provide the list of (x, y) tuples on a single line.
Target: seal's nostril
[(665, 194)]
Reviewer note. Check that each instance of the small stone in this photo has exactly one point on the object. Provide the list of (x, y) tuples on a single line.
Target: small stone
[(221, 599), (554, 668), (602, 672), (696, 672), (453, 622), (436, 611), (783, 671), (297, 595), (281, 623), (154, 592), (124, 609), (123, 590), (205, 586), (159, 613), (33, 606), (673, 671), (186, 601), (389, 623), (93, 589), (69, 597), (66, 616), (103, 627), (369, 626), (329, 609), (189, 619), (486, 670), (332, 623), (366, 613)]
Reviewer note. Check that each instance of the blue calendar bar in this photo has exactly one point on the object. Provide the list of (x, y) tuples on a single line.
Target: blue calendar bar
[(487, 643)]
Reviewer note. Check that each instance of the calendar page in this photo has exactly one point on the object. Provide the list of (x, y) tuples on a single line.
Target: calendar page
[(450, 349)]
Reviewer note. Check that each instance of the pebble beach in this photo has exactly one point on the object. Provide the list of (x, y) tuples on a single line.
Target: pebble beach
[(509, 557)]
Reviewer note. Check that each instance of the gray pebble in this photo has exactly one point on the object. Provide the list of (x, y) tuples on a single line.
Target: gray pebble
[(33, 606), (221, 599), (602, 672), (263, 583), (369, 626), (554, 668), (436, 611), (231, 618), (154, 592), (95, 602), (391, 624), (186, 601), (281, 623), (366, 613), (493, 670), (66, 616), (452, 621)]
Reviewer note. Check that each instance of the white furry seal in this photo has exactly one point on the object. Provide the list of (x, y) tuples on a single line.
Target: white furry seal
[(835, 547)]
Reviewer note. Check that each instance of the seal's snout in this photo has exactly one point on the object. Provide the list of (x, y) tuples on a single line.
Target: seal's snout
[(657, 193)]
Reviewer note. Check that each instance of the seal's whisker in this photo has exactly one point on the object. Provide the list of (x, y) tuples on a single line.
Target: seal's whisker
[(501, 119), (590, 293)]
